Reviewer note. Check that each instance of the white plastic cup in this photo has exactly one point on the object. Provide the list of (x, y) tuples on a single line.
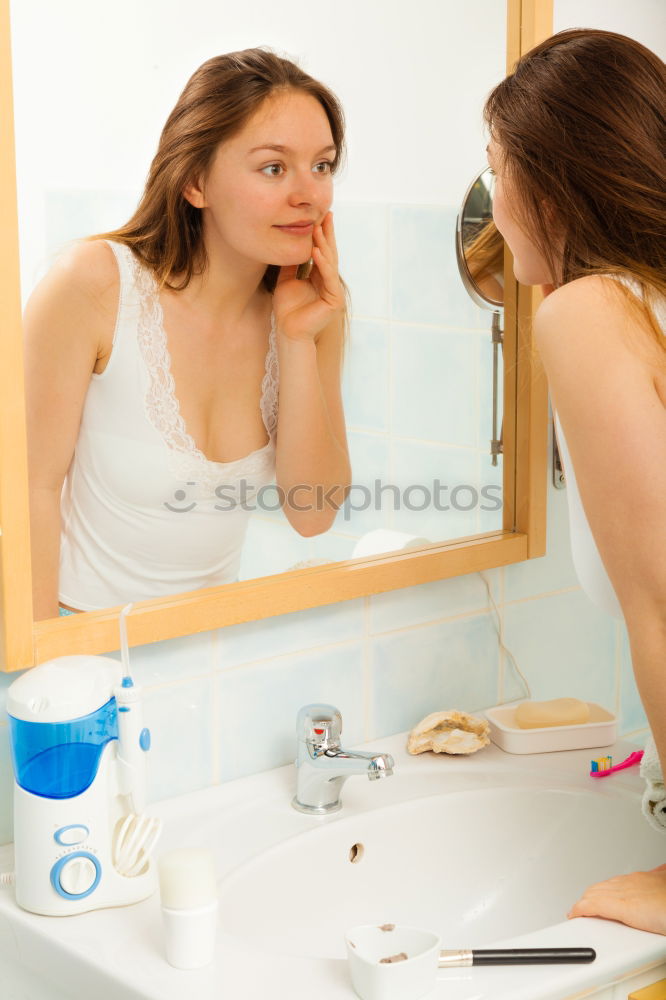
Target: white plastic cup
[(188, 891), (189, 936)]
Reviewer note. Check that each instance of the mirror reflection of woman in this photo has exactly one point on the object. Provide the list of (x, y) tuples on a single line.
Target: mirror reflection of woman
[(484, 255), (578, 145), (154, 352)]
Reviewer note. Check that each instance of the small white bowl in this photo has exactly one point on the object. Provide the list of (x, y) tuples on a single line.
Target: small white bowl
[(401, 979)]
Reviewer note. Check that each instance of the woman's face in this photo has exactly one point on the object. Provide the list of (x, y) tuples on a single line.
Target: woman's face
[(529, 266), (273, 175)]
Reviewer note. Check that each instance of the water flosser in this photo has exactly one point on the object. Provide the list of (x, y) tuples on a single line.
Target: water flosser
[(133, 738), (80, 778)]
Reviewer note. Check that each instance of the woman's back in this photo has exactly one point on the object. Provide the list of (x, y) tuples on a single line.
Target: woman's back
[(588, 564)]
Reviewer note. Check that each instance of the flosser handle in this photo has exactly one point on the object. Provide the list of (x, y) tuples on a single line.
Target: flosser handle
[(133, 745)]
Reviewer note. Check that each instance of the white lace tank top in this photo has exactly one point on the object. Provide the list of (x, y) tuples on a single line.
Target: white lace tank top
[(589, 567), (144, 513)]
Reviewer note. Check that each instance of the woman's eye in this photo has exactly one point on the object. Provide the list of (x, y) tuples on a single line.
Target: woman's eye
[(326, 166), (272, 170)]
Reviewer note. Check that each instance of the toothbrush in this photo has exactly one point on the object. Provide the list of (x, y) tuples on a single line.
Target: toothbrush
[(133, 739), (603, 765)]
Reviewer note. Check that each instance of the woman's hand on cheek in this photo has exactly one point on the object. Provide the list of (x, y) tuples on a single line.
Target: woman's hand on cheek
[(638, 900), (303, 307)]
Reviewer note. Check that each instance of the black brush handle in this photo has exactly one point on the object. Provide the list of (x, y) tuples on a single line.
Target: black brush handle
[(531, 956)]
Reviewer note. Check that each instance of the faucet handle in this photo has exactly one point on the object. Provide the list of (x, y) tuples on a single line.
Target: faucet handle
[(319, 724)]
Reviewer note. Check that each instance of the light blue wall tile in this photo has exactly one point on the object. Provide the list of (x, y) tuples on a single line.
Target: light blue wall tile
[(6, 788), (418, 468), (181, 722), (632, 713), (433, 668), (434, 385), (555, 570), (257, 705), (171, 659), (364, 508), (289, 633), (366, 376), (491, 493), (565, 646), (5, 681), (425, 283), (362, 239), (429, 602)]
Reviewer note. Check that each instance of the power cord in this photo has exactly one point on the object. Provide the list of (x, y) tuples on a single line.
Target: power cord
[(498, 628)]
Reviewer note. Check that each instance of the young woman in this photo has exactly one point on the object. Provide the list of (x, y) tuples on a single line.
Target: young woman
[(153, 352), (578, 144)]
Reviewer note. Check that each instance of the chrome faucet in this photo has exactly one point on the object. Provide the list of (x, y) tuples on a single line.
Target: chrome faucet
[(322, 766)]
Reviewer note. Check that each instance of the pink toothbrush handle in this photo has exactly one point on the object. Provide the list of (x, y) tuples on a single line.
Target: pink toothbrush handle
[(633, 758)]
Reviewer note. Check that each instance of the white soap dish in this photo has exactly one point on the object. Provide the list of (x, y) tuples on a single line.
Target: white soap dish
[(599, 731)]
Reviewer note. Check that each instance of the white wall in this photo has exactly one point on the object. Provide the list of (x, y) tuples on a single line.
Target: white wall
[(95, 82), (644, 20)]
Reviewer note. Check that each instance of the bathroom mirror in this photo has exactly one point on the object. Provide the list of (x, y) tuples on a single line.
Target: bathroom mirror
[(85, 132), (480, 253), (479, 245)]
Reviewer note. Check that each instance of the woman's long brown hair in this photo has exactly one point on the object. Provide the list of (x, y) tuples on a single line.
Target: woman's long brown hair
[(581, 126), (220, 97)]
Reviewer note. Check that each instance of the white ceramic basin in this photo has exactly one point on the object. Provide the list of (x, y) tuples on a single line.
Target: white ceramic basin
[(474, 866), (493, 848)]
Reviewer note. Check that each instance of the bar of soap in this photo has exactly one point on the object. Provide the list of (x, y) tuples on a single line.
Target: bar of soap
[(557, 712)]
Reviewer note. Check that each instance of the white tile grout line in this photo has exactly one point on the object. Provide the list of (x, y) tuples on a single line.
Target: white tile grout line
[(389, 251), (618, 669), (546, 593), (459, 328), (368, 713), (216, 733), (643, 731), (176, 682), (500, 608)]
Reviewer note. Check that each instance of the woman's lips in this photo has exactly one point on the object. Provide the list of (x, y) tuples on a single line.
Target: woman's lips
[(304, 230)]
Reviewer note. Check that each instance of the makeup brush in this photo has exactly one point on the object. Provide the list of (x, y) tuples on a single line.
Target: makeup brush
[(515, 956)]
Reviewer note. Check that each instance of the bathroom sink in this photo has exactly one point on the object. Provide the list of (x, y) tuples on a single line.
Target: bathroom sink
[(492, 849), (474, 866)]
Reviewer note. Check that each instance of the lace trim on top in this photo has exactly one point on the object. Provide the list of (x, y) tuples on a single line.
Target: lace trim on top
[(187, 462)]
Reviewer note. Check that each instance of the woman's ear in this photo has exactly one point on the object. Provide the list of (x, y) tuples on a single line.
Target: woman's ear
[(194, 193)]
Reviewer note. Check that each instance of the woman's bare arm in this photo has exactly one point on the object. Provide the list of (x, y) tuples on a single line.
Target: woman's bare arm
[(312, 461), (604, 370), (68, 329)]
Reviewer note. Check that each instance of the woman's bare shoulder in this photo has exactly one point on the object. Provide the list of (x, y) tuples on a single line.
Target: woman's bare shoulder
[(78, 295), (87, 267), (597, 311)]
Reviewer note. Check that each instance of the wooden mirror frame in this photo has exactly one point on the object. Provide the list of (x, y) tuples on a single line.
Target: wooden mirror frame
[(24, 643)]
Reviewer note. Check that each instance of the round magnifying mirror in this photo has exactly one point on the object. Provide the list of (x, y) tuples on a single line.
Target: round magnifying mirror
[(479, 244)]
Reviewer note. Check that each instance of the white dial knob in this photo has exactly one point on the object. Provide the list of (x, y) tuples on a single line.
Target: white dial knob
[(77, 876)]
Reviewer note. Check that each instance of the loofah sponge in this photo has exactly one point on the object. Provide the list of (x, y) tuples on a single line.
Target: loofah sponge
[(557, 712)]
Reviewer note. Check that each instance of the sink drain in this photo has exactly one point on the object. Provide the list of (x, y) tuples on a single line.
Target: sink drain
[(356, 852)]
